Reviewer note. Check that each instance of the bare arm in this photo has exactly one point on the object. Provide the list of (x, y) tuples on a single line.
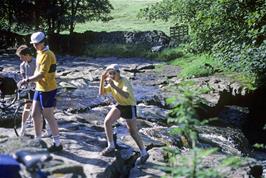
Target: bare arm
[(22, 71), (36, 77), (101, 87), (119, 90), (33, 78)]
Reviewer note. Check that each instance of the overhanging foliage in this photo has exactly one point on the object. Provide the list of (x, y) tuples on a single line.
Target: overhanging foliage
[(52, 16), (233, 31)]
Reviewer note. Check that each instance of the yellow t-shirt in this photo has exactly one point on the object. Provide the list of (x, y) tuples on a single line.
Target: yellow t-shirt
[(46, 64), (125, 85)]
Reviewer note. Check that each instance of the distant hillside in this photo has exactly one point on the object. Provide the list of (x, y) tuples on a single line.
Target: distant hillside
[(125, 18)]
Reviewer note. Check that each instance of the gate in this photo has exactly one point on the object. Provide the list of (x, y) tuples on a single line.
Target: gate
[(178, 33)]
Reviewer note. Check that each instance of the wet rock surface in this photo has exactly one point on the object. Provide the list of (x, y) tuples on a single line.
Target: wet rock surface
[(81, 111), (229, 140)]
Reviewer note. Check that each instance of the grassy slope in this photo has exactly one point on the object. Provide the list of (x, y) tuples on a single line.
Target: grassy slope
[(125, 18), (195, 66)]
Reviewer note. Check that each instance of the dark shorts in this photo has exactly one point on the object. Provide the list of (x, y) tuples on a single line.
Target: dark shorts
[(46, 99), (31, 95), (127, 112)]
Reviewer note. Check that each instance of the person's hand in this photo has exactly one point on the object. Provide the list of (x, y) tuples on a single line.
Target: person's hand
[(22, 82), (104, 75), (111, 82)]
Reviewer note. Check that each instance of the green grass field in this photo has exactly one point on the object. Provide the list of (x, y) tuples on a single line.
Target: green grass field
[(125, 19)]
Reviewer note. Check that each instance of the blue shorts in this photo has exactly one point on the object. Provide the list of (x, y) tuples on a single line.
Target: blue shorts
[(46, 99)]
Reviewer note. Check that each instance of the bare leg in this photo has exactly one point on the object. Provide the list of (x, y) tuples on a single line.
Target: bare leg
[(111, 117), (132, 127), (48, 114), (37, 119), (25, 116), (133, 130), (26, 113)]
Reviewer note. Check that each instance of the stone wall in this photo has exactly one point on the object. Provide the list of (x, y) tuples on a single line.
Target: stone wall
[(77, 42)]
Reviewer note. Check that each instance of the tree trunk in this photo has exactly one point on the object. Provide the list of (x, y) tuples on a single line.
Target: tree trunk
[(9, 15), (74, 8), (36, 15), (71, 26)]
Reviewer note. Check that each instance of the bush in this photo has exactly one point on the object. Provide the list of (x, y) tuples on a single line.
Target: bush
[(256, 58), (233, 30), (243, 58), (183, 114), (167, 54), (129, 50)]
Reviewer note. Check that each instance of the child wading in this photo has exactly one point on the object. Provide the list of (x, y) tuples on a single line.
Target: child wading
[(122, 91)]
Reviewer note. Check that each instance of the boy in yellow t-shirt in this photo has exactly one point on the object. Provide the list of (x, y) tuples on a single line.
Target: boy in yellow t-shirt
[(44, 97), (122, 92)]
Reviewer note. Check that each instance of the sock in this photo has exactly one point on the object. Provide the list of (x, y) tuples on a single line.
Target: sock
[(143, 152), (22, 131), (56, 140), (23, 126), (49, 132), (37, 138), (111, 144)]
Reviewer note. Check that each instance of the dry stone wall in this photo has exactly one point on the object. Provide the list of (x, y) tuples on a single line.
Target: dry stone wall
[(77, 43)]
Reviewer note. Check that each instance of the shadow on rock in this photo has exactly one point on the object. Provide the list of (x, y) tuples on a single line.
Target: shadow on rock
[(121, 166)]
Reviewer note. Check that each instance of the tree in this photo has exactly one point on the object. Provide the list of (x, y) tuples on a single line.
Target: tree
[(81, 11), (53, 16), (18, 15), (7, 9), (234, 31), (213, 21)]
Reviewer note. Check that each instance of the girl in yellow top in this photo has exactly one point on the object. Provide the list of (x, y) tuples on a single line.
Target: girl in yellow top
[(122, 91)]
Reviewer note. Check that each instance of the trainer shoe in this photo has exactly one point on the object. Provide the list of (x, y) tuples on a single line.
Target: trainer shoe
[(108, 151), (142, 159), (55, 148)]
